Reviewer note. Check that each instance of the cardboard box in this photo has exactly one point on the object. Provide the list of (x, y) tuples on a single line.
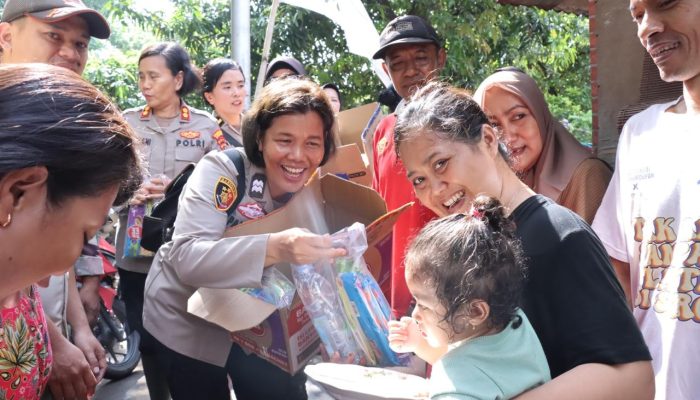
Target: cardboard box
[(287, 338), (347, 163), (327, 204), (353, 122)]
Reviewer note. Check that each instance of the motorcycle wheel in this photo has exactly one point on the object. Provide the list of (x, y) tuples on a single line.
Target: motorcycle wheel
[(122, 349)]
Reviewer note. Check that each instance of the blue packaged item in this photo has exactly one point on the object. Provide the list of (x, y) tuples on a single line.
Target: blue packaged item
[(346, 305), (322, 304), (373, 314)]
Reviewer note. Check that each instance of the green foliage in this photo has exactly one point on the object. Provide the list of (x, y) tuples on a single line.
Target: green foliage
[(116, 76), (480, 36)]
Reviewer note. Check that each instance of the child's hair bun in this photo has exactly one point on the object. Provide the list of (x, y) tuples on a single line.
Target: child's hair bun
[(490, 211)]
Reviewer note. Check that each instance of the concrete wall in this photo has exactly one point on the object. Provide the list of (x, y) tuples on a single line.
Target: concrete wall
[(616, 69)]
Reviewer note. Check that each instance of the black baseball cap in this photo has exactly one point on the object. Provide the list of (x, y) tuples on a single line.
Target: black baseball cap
[(285, 62), (406, 29), (57, 10)]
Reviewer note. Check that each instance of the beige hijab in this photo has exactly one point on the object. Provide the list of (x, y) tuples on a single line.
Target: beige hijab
[(561, 152)]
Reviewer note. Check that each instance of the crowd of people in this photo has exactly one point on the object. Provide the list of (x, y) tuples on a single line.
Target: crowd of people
[(526, 268)]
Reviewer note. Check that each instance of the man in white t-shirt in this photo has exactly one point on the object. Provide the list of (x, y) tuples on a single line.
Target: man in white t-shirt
[(649, 220)]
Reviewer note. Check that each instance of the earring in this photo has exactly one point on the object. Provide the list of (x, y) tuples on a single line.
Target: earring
[(7, 223)]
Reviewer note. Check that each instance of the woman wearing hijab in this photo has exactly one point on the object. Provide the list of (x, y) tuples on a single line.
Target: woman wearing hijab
[(546, 156)]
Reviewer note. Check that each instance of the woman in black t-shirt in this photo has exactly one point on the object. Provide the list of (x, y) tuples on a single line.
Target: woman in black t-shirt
[(572, 297)]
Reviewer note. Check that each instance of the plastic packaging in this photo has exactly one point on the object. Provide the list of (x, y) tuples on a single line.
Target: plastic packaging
[(346, 305), (134, 229), (367, 304), (321, 302), (275, 289)]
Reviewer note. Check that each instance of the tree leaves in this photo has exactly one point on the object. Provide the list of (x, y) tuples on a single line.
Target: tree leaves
[(480, 36)]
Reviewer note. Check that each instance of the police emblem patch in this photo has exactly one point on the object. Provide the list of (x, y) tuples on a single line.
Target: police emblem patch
[(251, 210), (257, 186), (224, 193), (190, 135)]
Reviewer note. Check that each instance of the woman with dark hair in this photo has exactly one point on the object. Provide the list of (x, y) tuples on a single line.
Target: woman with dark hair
[(287, 135), (224, 89), (546, 156), (333, 94), (64, 161), (572, 297), (172, 135)]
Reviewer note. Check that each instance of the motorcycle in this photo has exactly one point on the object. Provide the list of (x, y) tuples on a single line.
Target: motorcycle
[(111, 328)]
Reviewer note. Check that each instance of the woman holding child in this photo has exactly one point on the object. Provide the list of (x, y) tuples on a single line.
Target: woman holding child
[(286, 137), (571, 297)]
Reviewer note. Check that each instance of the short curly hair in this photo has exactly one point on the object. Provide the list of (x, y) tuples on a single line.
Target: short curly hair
[(469, 257)]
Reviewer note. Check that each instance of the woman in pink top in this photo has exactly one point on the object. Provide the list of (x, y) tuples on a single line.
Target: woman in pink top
[(66, 158)]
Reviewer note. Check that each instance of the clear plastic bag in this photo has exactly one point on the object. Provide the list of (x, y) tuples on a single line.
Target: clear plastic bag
[(356, 299), (275, 289)]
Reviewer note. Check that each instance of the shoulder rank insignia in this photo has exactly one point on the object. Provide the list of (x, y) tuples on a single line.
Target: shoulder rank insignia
[(257, 186), (146, 112), (184, 114), (190, 135), (220, 139), (224, 193)]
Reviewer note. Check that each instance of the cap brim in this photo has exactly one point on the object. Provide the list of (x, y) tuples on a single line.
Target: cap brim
[(97, 25), (380, 53), (289, 63)]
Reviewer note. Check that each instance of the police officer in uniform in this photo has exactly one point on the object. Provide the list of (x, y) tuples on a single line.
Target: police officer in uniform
[(286, 136), (224, 89), (172, 135)]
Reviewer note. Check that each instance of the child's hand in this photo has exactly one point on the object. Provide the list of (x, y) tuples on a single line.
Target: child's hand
[(404, 335)]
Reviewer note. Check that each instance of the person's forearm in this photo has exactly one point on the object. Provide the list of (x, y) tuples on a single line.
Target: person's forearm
[(631, 381), (75, 313), (56, 338), (430, 354)]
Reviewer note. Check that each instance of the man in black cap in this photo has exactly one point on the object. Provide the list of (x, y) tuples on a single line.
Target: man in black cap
[(284, 66), (58, 32), (413, 54), (53, 32)]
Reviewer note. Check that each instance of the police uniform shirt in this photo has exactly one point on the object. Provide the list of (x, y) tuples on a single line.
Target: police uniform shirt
[(198, 256), (233, 135), (167, 150)]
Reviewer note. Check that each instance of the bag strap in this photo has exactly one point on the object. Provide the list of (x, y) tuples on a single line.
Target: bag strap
[(237, 159)]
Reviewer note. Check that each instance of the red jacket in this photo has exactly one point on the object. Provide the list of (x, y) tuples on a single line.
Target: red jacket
[(390, 181)]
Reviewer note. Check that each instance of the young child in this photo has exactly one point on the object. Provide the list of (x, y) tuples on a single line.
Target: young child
[(466, 274)]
